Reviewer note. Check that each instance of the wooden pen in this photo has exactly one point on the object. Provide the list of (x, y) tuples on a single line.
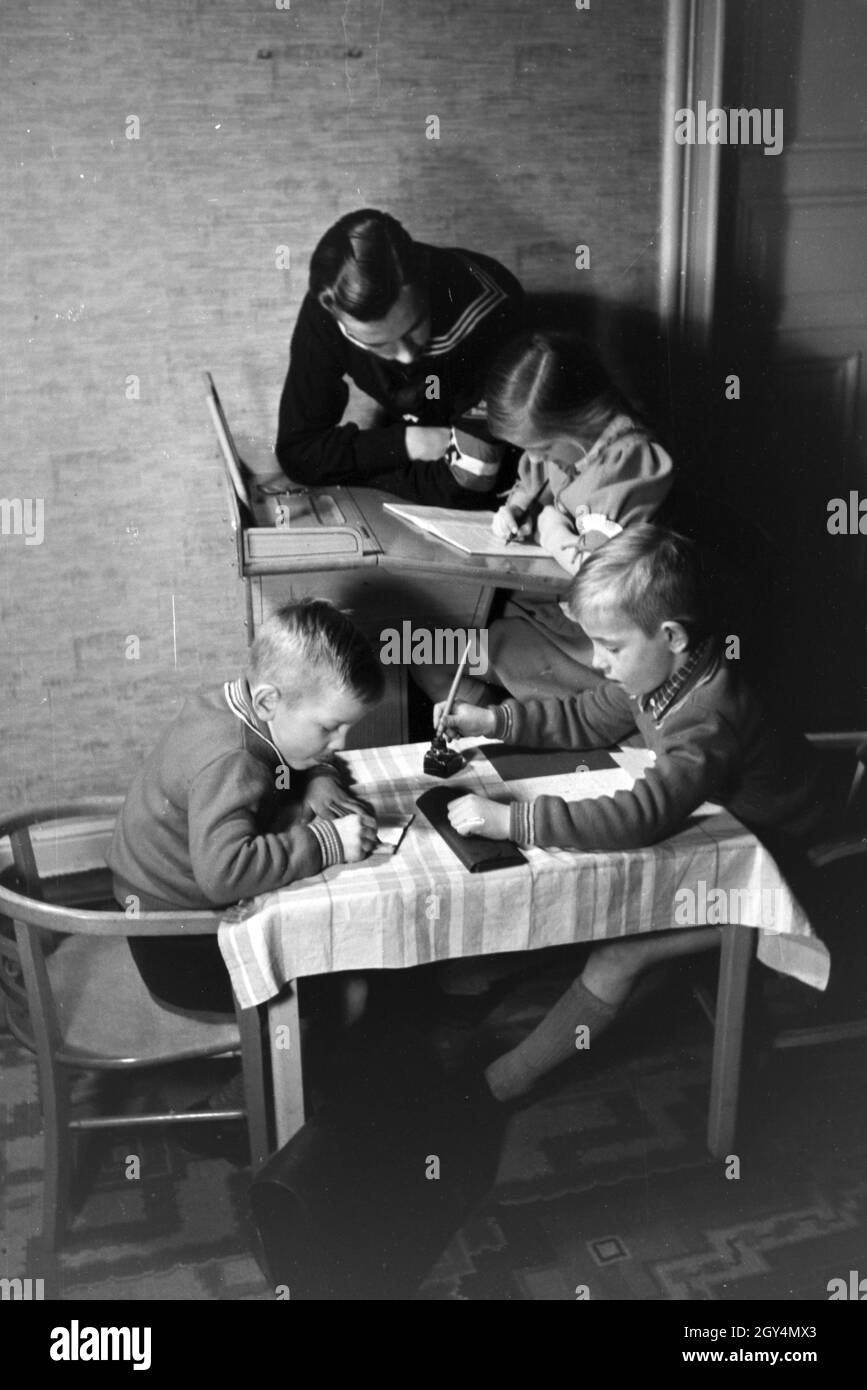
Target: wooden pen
[(450, 698)]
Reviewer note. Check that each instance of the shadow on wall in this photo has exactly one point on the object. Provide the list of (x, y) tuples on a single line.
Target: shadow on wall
[(753, 479), (663, 383), (759, 457)]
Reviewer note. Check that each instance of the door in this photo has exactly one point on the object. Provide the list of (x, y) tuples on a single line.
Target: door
[(791, 320)]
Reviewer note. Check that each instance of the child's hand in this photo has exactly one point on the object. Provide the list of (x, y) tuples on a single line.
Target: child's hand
[(326, 797), (357, 835), (427, 441), (476, 815), (465, 720), (506, 524)]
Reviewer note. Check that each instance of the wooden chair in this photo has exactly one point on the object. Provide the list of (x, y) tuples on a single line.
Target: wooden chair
[(827, 859), (75, 997)]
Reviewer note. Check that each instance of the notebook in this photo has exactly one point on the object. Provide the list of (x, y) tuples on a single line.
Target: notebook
[(467, 531)]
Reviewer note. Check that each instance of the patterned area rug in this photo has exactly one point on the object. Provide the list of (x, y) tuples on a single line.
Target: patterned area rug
[(180, 1230), (604, 1189), (607, 1192)]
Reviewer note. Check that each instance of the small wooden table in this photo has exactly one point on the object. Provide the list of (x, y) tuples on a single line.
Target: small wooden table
[(420, 905)]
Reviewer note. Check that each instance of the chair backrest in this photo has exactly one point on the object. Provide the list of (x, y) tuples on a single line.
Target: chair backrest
[(847, 838), (59, 861), (852, 746), (856, 801), (49, 849), (30, 865), (56, 884)]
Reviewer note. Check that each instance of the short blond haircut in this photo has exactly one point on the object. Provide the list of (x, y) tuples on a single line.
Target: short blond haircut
[(650, 575), (308, 645)]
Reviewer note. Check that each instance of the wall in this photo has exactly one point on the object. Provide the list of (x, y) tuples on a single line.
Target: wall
[(131, 264)]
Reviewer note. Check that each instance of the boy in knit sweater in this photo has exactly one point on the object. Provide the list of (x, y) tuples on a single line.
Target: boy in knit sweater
[(239, 796), (639, 600)]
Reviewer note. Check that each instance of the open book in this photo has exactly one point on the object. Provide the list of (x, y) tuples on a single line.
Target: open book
[(467, 531)]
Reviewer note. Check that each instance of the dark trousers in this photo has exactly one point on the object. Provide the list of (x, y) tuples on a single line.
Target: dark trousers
[(184, 972)]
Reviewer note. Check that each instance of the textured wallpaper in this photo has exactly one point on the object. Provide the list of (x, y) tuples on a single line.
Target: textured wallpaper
[(166, 171)]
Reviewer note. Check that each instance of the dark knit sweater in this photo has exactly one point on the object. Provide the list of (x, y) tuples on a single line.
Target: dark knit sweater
[(475, 304), (712, 741), (193, 829)]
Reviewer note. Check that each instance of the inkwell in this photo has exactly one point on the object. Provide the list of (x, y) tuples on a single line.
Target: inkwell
[(440, 760)]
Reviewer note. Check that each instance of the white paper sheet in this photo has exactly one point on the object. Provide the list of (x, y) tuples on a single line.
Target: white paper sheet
[(471, 534), (572, 786)]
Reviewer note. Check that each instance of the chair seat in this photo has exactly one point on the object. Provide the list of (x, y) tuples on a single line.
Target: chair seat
[(106, 1012)]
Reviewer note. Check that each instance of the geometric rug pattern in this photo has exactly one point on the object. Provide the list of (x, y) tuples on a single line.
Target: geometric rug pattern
[(604, 1188), (180, 1231), (610, 1192)]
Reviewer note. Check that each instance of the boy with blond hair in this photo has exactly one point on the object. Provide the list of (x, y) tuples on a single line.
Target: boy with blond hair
[(641, 601), (204, 822)]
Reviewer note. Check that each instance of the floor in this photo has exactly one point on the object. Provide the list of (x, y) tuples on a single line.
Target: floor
[(602, 1189)]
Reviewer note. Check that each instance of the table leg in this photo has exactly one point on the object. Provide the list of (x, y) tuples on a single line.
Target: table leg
[(736, 952), (255, 1093), (484, 600), (284, 1042)]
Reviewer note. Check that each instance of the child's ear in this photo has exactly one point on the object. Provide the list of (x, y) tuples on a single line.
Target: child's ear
[(264, 699), (676, 636)]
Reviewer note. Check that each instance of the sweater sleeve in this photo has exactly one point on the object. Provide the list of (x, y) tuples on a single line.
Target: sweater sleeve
[(429, 482), (594, 719), (230, 859), (313, 448), (629, 484), (695, 765)]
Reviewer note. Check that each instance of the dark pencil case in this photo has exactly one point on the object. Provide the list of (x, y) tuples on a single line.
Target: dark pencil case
[(475, 852)]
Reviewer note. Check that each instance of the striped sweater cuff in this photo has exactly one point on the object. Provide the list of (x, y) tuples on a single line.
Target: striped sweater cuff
[(502, 722), (328, 840), (522, 827)]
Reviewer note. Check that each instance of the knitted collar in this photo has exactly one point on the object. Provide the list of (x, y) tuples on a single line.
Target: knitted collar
[(237, 695), (660, 700)]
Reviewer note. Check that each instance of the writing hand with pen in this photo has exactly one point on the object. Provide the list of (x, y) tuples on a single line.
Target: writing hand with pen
[(515, 521), (354, 819)]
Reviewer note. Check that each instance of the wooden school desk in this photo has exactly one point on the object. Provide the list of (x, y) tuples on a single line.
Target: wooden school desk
[(381, 569), (420, 905)]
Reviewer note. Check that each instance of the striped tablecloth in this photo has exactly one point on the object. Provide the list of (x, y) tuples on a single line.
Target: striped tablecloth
[(420, 904)]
